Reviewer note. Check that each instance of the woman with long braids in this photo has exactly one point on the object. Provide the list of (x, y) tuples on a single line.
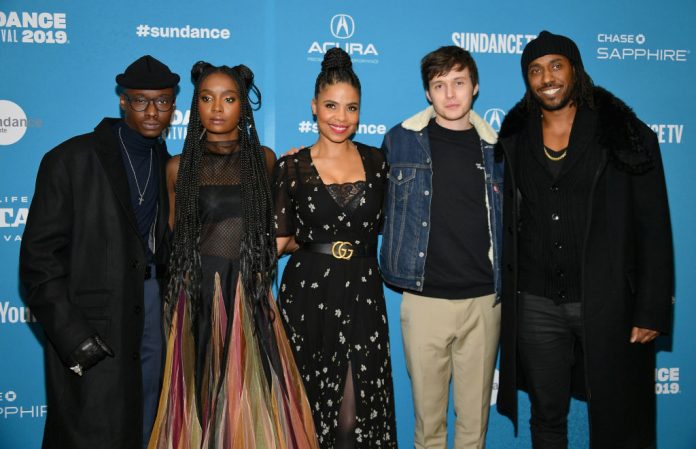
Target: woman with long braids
[(329, 205), (230, 379)]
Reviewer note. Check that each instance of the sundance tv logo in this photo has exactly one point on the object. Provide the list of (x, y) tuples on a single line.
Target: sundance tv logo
[(668, 132), (342, 28), (635, 47)]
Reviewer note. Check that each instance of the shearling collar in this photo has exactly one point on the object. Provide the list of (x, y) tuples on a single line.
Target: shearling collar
[(419, 121), (619, 131)]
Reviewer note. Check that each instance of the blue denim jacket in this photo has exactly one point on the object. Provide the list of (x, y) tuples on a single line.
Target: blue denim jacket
[(407, 206)]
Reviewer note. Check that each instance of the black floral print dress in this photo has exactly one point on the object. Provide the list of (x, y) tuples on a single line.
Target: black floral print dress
[(333, 309)]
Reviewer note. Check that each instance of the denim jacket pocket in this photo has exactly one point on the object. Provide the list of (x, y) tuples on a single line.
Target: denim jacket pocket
[(401, 181)]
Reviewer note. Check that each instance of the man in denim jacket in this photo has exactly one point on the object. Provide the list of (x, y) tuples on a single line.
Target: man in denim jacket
[(440, 246)]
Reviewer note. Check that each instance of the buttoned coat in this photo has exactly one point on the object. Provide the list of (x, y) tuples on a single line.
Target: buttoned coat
[(82, 262), (627, 274)]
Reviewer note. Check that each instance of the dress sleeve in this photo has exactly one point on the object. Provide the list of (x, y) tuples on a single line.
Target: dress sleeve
[(284, 208), (381, 174)]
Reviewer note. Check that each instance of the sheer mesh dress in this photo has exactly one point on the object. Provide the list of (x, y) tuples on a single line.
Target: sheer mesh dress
[(333, 308), (228, 384)]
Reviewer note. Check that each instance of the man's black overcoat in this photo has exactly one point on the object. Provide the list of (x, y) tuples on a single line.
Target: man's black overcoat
[(626, 276), (83, 262)]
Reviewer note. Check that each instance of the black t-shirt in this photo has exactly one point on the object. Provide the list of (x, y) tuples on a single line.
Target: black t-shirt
[(457, 263)]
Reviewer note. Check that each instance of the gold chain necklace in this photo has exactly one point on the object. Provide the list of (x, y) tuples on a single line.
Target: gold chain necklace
[(548, 154)]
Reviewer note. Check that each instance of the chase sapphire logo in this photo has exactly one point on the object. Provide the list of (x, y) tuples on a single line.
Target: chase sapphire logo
[(494, 117), (342, 26)]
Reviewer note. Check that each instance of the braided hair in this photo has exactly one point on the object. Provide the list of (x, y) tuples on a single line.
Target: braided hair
[(336, 68), (258, 250)]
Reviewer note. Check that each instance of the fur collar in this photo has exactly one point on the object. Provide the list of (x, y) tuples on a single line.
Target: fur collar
[(421, 119), (619, 131)]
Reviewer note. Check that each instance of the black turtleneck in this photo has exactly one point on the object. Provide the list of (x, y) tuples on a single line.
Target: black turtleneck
[(138, 149)]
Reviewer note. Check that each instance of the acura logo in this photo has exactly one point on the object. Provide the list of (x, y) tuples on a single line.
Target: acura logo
[(494, 117), (342, 26)]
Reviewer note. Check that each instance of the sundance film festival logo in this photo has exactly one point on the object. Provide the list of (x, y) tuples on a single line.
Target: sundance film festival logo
[(33, 27), (14, 210), (342, 28), (12, 408), (14, 122), (496, 43), (667, 381), (494, 117), (635, 47), (178, 125)]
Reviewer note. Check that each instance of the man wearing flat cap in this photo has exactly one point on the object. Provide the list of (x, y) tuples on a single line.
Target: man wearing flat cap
[(92, 255), (587, 248)]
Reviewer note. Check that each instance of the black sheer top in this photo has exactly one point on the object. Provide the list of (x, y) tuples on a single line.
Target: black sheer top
[(316, 212)]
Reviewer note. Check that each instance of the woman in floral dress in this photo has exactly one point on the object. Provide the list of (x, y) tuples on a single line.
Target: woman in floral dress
[(328, 203)]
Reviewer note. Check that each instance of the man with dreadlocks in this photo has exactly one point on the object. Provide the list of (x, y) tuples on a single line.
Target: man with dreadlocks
[(93, 249), (588, 255), (230, 379)]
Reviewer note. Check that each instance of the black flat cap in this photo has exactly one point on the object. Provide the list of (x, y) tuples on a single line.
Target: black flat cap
[(147, 73)]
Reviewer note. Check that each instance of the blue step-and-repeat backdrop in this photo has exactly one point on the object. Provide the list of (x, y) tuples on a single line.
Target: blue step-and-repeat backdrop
[(57, 66)]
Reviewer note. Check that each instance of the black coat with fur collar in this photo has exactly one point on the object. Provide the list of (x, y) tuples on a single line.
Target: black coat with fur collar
[(626, 275)]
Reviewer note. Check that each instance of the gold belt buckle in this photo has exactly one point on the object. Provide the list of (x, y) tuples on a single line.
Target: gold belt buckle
[(342, 250)]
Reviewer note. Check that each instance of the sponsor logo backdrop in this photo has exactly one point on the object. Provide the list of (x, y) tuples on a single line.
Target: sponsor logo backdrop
[(60, 60)]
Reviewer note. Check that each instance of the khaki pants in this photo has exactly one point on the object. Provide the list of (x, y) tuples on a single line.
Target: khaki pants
[(445, 340)]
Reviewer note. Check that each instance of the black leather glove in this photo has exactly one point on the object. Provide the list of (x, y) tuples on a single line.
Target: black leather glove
[(89, 353)]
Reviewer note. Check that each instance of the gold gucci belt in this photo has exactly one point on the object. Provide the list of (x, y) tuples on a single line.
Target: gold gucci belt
[(340, 250)]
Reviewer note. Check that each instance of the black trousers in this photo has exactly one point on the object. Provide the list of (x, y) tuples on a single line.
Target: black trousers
[(548, 339), (151, 354)]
